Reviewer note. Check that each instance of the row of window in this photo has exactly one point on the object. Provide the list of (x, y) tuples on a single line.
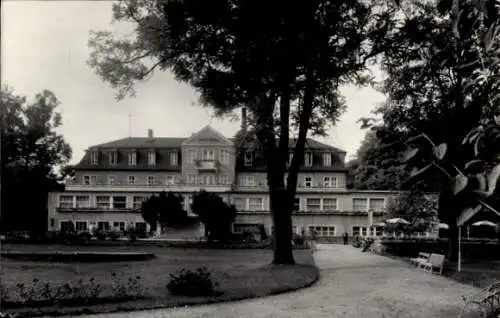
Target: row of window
[(210, 179), (241, 203), (319, 230), (205, 154), (85, 226), (205, 179)]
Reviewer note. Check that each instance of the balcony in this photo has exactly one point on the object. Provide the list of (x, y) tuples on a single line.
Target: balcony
[(207, 165)]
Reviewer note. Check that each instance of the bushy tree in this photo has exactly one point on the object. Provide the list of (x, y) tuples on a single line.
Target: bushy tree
[(31, 153), (442, 63), (417, 207), (166, 208), (215, 214), (284, 61)]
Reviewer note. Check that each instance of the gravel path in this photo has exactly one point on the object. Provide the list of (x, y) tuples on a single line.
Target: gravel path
[(352, 284)]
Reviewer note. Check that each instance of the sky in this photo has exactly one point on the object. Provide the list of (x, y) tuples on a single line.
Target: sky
[(44, 46)]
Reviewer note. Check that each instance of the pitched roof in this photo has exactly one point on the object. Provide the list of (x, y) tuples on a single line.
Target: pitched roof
[(176, 142)]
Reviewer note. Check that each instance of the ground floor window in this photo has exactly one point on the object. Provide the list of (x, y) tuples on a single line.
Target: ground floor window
[(379, 230), (103, 226), (67, 226), (322, 230), (119, 226), (81, 226), (140, 226)]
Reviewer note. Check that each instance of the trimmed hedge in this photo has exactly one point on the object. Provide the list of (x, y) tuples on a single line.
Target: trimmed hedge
[(471, 249)]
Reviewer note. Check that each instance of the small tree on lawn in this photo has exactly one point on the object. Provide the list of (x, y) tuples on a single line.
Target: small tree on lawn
[(165, 208), (215, 214), (419, 208)]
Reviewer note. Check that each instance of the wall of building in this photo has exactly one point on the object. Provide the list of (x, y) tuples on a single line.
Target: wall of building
[(121, 177), (317, 178)]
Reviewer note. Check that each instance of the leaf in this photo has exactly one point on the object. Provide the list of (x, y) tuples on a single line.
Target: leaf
[(422, 135), (410, 153), (481, 181), (440, 151), (467, 213), (416, 172), (471, 136), (459, 183), (472, 163), (492, 178), (490, 36)]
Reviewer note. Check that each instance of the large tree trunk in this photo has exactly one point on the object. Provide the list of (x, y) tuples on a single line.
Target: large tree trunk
[(282, 220)]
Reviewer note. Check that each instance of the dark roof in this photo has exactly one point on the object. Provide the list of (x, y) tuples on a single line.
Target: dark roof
[(175, 142)]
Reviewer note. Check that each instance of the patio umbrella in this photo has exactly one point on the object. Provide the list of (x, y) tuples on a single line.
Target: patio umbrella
[(397, 221), (487, 223), (443, 226)]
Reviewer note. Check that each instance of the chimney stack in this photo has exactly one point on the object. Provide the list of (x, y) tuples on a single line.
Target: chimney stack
[(243, 119), (150, 133)]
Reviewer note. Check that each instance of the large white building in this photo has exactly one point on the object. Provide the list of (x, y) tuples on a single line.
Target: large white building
[(113, 178)]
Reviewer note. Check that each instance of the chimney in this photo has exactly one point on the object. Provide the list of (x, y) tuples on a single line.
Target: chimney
[(243, 119), (150, 133)]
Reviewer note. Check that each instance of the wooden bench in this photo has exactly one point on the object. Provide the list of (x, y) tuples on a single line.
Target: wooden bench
[(435, 262), (487, 301), (422, 258)]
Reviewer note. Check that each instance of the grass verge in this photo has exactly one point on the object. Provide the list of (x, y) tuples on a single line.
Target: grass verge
[(241, 274)]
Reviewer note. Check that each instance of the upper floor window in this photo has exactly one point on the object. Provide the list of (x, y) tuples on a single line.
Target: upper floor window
[(150, 180), (66, 201), (377, 204), (247, 181), (152, 158), (207, 179), (131, 179), (224, 156), (327, 159), (137, 201), (359, 204), (170, 180), (83, 201), (308, 159), (248, 158), (313, 204), (255, 204), (119, 202), (330, 204), (113, 158), (111, 179), (208, 154), (191, 155), (173, 158), (223, 179), (94, 158), (191, 178), (330, 182), (296, 204), (132, 158), (89, 179), (308, 182)]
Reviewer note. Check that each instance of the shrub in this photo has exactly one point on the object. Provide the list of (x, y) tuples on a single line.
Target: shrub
[(99, 234), (191, 283), (298, 239), (113, 235)]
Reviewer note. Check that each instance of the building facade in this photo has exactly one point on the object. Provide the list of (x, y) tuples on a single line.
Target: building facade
[(113, 178)]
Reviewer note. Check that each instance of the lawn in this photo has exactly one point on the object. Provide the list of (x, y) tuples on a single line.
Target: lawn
[(239, 273), (479, 273)]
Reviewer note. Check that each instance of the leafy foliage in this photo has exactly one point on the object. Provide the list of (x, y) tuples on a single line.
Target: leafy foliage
[(215, 214), (192, 283), (419, 208), (31, 152), (165, 208), (283, 61)]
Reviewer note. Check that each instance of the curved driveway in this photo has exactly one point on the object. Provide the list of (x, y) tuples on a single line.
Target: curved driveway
[(352, 284)]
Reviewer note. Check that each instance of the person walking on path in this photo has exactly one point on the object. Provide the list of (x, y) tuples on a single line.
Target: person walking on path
[(346, 238)]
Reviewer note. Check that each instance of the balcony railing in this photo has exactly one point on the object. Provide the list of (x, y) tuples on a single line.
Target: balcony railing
[(207, 165)]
